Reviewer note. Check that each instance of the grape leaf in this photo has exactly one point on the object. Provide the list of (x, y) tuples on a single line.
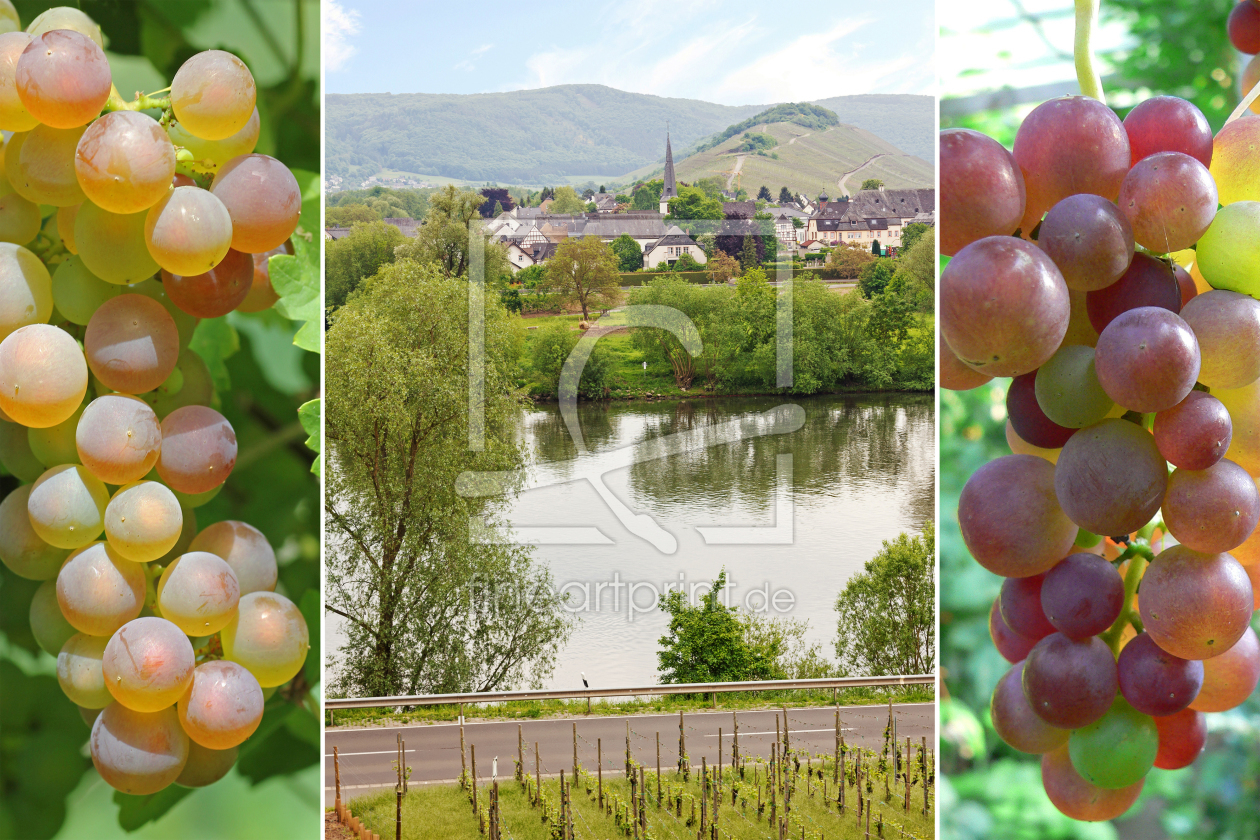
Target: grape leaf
[(135, 811), (271, 341), (310, 414), (310, 609), (296, 278), (279, 753), (215, 341)]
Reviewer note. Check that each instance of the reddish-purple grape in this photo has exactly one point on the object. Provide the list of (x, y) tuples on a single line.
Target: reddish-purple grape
[(1082, 595), (1070, 683), (1089, 239), (1147, 359), (1154, 681), (1110, 478), (982, 189), (1020, 603), (1148, 282), (1168, 124), (1195, 433)]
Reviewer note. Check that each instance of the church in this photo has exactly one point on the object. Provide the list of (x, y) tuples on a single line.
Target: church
[(671, 186)]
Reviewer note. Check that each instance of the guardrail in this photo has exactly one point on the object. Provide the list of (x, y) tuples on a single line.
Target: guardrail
[(587, 693)]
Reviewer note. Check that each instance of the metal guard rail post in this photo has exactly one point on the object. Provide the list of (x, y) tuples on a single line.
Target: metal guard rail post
[(678, 688)]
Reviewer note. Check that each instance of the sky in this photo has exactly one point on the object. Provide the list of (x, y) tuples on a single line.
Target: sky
[(731, 52)]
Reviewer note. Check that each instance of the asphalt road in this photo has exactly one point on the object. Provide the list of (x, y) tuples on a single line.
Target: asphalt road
[(432, 750)]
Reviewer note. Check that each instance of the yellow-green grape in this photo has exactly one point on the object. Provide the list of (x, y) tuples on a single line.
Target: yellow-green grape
[(79, 671), (78, 293), (54, 445), (199, 593), (66, 17), (118, 438), (217, 152), (19, 218), (1235, 164), (138, 752), (125, 162), (89, 716), (43, 375), (268, 636), (143, 521), (100, 591), (48, 625), (245, 549), (131, 343), (67, 506), (213, 95), (25, 289), (44, 167), (63, 78), (13, 114), (112, 245), (188, 231), (148, 664), (185, 323), (21, 549), (65, 226), (223, 706), (263, 199), (1229, 252), (187, 534), (15, 452), (205, 766), (13, 155), (9, 20), (196, 387)]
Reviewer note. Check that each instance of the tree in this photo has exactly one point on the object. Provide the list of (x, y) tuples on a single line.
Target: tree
[(748, 254), (722, 267), (349, 214), (872, 184), (707, 642), (498, 198), (567, 201), (763, 194), (712, 186), (886, 619), (785, 195), (629, 254), (876, 250), (916, 268), (443, 239), (350, 259), (910, 234), (552, 347), (692, 203), (797, 223), (707, 242), (584, 271), (425, 609), (601, 188), (875, 277), (848, 259), (686, 262), (531, 276), (648, 196)]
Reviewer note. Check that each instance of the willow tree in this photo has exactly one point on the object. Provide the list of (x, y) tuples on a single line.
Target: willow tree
[(424, 607)]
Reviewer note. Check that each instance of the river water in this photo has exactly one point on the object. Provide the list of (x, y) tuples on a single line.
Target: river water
[(682, 474), (861, 470)]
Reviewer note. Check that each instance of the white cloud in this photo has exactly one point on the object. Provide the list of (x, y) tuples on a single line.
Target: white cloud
[(815, 66), (482, 50), (339, 25)]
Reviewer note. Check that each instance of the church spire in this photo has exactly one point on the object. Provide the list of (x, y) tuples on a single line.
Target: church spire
[(671, 188)]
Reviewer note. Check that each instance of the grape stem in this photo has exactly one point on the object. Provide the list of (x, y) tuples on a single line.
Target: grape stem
[(1086, 74), (1138, 556), (1249, 98), (142, 102)]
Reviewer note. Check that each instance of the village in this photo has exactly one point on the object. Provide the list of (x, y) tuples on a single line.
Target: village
[(803, 227)]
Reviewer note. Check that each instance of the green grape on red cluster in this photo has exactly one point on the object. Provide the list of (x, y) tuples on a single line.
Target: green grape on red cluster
[(1121, 296), (123, 224)]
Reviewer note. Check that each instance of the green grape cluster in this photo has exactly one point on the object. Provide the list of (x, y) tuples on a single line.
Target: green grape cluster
[(118, 233), (1111, 269)]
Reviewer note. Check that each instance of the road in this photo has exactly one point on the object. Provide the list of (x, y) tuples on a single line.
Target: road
[(845, 177), (432, 750)]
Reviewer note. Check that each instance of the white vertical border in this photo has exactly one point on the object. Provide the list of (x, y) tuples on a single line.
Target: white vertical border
[(323, 437), (936, 394)]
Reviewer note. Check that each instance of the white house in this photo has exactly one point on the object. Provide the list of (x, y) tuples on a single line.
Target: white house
[(671, 246)]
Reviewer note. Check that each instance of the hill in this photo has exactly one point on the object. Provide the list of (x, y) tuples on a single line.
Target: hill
[(564, 133), (809, 161)]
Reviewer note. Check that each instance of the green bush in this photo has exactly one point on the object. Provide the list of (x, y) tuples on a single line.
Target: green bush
[(548, 352)]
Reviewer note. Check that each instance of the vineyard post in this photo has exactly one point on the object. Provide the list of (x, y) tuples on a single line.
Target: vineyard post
[(398, 815), (473, 750), (704, 793), (896, 754), (907, 774), (658, 769), (463, 750), (717, 800), (787, 743), (857, 774), (537, 775), (337, 776), (923, 751), (599, 758), (406, 780), (868, 819), (564, 809), (634, 803), (495, 812), (719, 766), (809, 775), (520, 753), (643, 797), (835, 768), (772, 782), (629, 760), (735, 745), (575, 761), (682, 744)]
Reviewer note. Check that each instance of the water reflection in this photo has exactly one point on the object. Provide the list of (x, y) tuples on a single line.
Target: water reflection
[(863, 470)]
